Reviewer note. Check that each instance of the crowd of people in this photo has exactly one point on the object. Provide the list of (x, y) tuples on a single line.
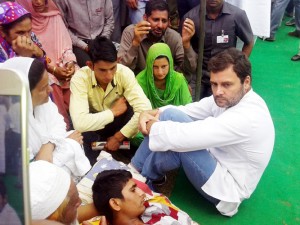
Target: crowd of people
[(90, 82)]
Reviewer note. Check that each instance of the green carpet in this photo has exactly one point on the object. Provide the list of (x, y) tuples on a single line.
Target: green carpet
[(277, 198)]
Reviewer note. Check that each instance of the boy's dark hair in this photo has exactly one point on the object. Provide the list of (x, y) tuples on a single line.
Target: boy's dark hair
[(102, 49), (35, 74), (7, 27), (109, 184), (160, 5), (231, 56)]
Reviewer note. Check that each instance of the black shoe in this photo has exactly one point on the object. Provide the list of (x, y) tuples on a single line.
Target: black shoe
[(295, 58), (153, 184), (294, 33), (270, 39), (160, 182)]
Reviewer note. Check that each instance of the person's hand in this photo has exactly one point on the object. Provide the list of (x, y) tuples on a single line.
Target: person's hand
[(113, 142), (23, 46), (140, 30), (70, 66), (132, 4), (145, 118), (188, 31), (76, 136), (119, 107), (61, 73)]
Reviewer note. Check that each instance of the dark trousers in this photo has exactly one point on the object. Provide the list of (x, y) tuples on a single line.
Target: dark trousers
[(205, 85), (102, 135), (290, 7)]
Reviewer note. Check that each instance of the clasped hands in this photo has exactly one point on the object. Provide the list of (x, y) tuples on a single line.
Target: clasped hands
[(66, 72), (147, 119)]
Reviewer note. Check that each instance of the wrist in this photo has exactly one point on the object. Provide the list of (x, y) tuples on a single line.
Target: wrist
[(119, 136), (37, 52), (135, 43), (50, 145), (53, 70), (186, 44)]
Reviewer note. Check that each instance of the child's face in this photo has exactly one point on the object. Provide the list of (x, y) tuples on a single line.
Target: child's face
[(160, 68)]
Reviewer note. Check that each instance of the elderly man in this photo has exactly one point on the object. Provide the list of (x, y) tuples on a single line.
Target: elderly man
[(224, 23), (223, 142), (54, 196), (138, 38)]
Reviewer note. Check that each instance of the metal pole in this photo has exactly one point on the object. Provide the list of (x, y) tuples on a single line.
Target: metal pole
[(200, 50)]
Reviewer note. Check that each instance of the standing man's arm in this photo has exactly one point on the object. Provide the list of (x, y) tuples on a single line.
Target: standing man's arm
[(63, 8), (244, 32), (109, 19), (247, 49), (190, 56)]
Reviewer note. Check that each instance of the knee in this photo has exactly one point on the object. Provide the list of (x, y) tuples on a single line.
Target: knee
[(173, 115)]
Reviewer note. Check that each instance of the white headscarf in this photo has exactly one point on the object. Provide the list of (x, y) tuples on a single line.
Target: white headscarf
[(45, 124), (39, 132), (49, 186)]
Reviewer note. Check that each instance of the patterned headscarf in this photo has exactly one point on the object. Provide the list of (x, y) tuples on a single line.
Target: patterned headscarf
[(11, 11)]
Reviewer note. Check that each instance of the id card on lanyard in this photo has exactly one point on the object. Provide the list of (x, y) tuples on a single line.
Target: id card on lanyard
[(223, 38)]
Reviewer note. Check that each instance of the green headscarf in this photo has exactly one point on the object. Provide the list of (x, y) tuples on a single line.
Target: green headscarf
[(176, 92)]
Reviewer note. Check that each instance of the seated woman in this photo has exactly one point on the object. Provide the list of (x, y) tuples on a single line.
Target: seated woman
[(48, 138), (160, 82), (16, 38), (48, 25)]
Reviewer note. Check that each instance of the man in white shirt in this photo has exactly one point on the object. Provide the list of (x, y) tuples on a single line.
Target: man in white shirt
[(223, 142)]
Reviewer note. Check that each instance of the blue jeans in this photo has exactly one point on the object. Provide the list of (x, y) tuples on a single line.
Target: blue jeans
[(297, 14), (276, 15), (198, 165), (136, 15)]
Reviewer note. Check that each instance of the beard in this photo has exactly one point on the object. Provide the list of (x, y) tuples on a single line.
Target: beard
[(223, 102), (156, 36)]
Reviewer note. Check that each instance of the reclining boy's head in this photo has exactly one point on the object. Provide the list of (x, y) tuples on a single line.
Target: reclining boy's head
[(117, 197)]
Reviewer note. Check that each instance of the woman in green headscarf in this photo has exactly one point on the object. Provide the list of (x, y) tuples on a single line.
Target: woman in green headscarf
[(160, 82)]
